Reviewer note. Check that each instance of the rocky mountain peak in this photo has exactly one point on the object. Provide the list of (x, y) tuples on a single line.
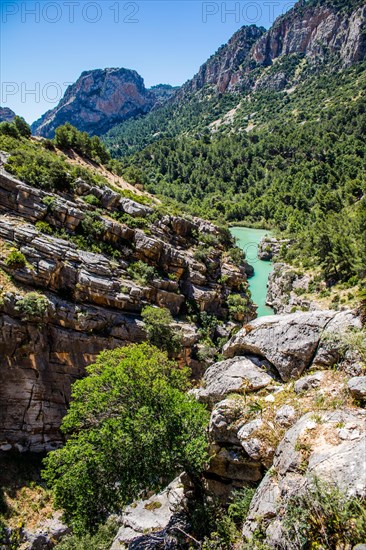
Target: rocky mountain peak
[(316, 30), (6, 114), (98, 100), (221, 68), (322, 31)]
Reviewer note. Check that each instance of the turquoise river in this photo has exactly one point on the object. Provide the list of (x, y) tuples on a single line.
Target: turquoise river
[(248, 240)]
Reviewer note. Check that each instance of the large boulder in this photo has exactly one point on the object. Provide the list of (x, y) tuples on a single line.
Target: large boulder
[(239, 374), (329, 446), (357, 387), (151, 515), (289, 342)]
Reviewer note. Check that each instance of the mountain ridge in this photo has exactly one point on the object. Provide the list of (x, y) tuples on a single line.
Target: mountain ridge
[(98, 99)]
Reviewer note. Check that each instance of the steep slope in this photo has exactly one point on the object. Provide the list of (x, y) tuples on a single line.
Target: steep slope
[(98, 100), (79, 261), (221, 71), (6, 114), (322, 35)]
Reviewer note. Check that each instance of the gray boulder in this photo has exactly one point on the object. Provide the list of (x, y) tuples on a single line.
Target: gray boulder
[(357, 387), (285, 416), (289, 342), (330, 446), (239, 374), (150, 515), (308, 382)]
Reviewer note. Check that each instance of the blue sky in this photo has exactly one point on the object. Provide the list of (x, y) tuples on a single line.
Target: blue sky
[(46, 44)]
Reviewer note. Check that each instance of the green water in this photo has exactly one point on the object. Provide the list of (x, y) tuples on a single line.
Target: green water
[(248, 240)]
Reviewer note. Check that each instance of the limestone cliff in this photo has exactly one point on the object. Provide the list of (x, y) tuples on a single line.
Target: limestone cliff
[(319, 32), (98, 100), (90, 301)]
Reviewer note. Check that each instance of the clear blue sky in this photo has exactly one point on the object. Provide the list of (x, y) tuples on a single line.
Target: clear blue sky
[(46, 44)]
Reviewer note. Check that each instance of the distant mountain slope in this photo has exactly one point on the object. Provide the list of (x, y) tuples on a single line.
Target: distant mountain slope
[(6, 114), (98, 100), (316, 35), (285, 149)]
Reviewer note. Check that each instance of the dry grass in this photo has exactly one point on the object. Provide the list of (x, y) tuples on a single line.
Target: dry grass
[(24, 500), (331, 394)]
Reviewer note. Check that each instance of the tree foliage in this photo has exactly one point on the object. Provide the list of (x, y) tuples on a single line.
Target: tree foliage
[(130, 428), (158, 322), (69, 137)]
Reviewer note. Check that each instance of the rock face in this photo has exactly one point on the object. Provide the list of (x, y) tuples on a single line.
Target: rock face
[(233, 375), (314, 32), (335, 452), (320, 33), (270, 247), (149, 516), (289, 342), (6, 114), (254, 399), (93, 301), (98, 100), (218, 71)]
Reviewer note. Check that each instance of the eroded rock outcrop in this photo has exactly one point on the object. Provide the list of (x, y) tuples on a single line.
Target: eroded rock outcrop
[(330, 447), (252, 59), (92, 300), (256, 394), (291, 343), (151, 516), (98, 100)]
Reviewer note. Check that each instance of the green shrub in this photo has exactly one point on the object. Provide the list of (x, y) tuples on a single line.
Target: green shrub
[(22, 127), (15, 259), (33, 305), (49, 201), (220, 527), (9, 129), (141, 273), (91, 199), (325, 517), (130, 427), (239, 306), (102, 540), (237, 256), (44, 227), (203, 253), (158, 323)]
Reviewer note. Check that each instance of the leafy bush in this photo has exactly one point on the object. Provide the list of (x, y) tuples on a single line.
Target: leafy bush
[(158, 323), (44, 227), (202, 253), (326, 516), (68, 137), (15, 259), (91, 199), (102, 540), (22, 127), (92, 226), (220, 527), (239, 306), (33, 305), (237, 256), (130, 428), (141, 272)]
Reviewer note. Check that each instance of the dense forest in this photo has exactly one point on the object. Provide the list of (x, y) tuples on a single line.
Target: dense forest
[(293, 160)]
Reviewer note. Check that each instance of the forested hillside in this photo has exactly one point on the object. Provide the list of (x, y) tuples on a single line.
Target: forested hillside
[(282, 147), (293, 159)]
